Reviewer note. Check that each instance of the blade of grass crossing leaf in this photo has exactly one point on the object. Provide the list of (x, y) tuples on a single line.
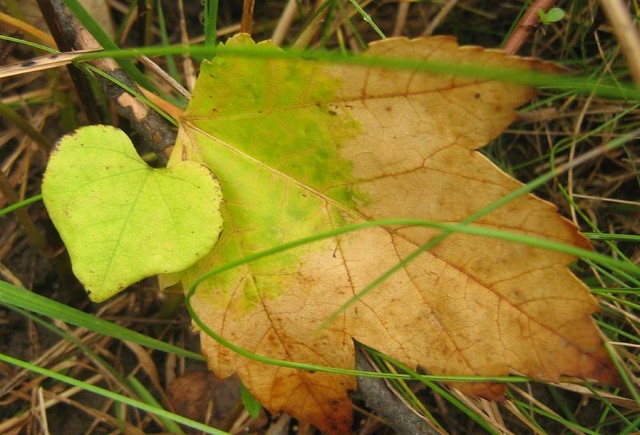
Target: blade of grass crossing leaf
[(105, 41), (15, 296), (447, 229), (527, 188), (327, 369), (148, 398), (556, 82), (462, 228), (109, 394)]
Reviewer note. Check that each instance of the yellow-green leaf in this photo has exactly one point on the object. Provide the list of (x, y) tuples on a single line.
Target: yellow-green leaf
[(122, 220)]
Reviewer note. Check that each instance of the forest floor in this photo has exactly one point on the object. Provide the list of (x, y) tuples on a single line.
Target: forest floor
[(601, 196)]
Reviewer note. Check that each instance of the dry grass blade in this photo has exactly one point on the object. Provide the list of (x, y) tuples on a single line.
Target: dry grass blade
[(626, 31), (42, 63)]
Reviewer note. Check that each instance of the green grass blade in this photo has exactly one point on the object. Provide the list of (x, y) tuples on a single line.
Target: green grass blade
[(20, 204), (148, 398), (164, 37), (210, 22), (110, 395), (15, 296), (555, 82), (462, 228)]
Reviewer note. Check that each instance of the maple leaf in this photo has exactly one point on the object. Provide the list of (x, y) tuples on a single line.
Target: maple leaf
[(302, 147)]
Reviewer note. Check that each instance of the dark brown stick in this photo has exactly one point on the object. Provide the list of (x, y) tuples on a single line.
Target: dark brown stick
[(153, 129), (527, 24), (80, 81), (385, 403)]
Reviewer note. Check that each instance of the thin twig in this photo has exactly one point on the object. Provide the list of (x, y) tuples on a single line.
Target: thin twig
[(381, 399), (626, 33), (246, 26), (154, 130), (64, 42), (526, 25)]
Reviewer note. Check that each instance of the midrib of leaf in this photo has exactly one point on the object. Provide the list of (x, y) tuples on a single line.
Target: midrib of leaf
[(124, 225)]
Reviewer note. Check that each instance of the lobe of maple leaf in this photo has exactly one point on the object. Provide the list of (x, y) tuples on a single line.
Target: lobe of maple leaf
[(301, 147)]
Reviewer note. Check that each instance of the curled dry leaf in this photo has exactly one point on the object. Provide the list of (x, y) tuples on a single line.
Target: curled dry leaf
[(302, 147)]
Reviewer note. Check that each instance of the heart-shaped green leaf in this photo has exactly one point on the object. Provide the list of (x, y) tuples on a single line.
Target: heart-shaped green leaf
[(122, 220)]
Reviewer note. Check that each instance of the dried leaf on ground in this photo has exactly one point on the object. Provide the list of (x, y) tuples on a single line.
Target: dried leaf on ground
[(302, 147)]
